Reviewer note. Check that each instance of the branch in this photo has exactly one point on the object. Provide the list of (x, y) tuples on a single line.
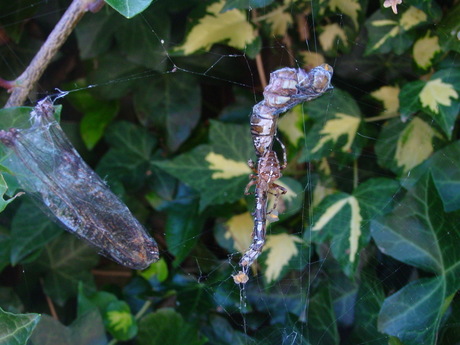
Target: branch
[(25, 82)]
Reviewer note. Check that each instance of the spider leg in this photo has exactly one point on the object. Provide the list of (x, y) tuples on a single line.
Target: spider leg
[(284, 165), (253, 182)]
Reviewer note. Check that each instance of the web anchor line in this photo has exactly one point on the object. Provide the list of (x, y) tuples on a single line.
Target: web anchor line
[(287, 88)]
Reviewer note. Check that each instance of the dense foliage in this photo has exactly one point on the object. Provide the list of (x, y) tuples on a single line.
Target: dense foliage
[(365, 248)]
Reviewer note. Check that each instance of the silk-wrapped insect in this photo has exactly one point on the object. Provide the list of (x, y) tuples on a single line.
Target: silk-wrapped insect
[(287, 88), (49, 168)]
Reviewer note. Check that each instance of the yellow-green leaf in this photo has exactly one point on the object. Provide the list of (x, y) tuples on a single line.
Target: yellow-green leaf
[(328, 38), (239, 228), (278, 19), (425, 50), (230, 27), (412, 17), (415, 144), (226, 168), (291, 124), (281, 248), (342, 124), (348, 7), (354, 226), (119, 320), (312, 59), (435, 93), (388, 95)]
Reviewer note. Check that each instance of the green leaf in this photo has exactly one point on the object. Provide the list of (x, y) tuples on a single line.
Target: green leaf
[(31, 229), (166, 326), (419, 233), (439, 97), (448, 29), (95, 33), (119, 321), (216, 26), (281, 253), (97, 115), (217, 171), (87, 329), (158, 270), (245, 4), (183, 229), (129, 8), (176, 108), (368, 303), (111, 67), (15, 329), (151, 31), (220, 332), (3, 189), (322, 322), (344, 219), (335, 130), (402, 146), (128, 158), (66, 261), (388, 33)]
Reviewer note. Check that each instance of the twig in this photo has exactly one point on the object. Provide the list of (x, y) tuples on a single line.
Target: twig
[(26, 81), (259, 62), (50, 304)]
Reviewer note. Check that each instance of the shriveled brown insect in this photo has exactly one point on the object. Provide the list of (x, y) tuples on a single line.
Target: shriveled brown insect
[(287, 88), (50, 169)]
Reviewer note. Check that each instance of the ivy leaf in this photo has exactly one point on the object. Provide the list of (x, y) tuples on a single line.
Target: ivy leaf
[(278, 19), (3, 189), (230, 27), (419, 233), (183, 228), (166, 326), (322, 320), (335, 130), (344, 219), (439, 97), (95, 33), (367, 306), (15, 329), (146, 50), (445, 170), (119, 321), (235, 233), (128, 158), (129, 8), (31, 229), (425, 50), (279, 253), (86, 329), (388, 95), (245, 4), (97, 115), (176, 108), (351, 8), (218, 171), (329, 36), (448, 29), (66, 261), (389, 33), (403, 146)]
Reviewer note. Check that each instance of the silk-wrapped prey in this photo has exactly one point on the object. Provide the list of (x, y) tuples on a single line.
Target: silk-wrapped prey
[(49, 168)]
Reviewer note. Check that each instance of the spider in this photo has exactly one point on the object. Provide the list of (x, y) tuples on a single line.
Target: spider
[(267, 172)]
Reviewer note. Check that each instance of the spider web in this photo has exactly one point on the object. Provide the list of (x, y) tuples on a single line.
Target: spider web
[(293, 293)]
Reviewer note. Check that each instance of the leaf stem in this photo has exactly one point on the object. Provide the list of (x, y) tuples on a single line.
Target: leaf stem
[(22, 86)]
